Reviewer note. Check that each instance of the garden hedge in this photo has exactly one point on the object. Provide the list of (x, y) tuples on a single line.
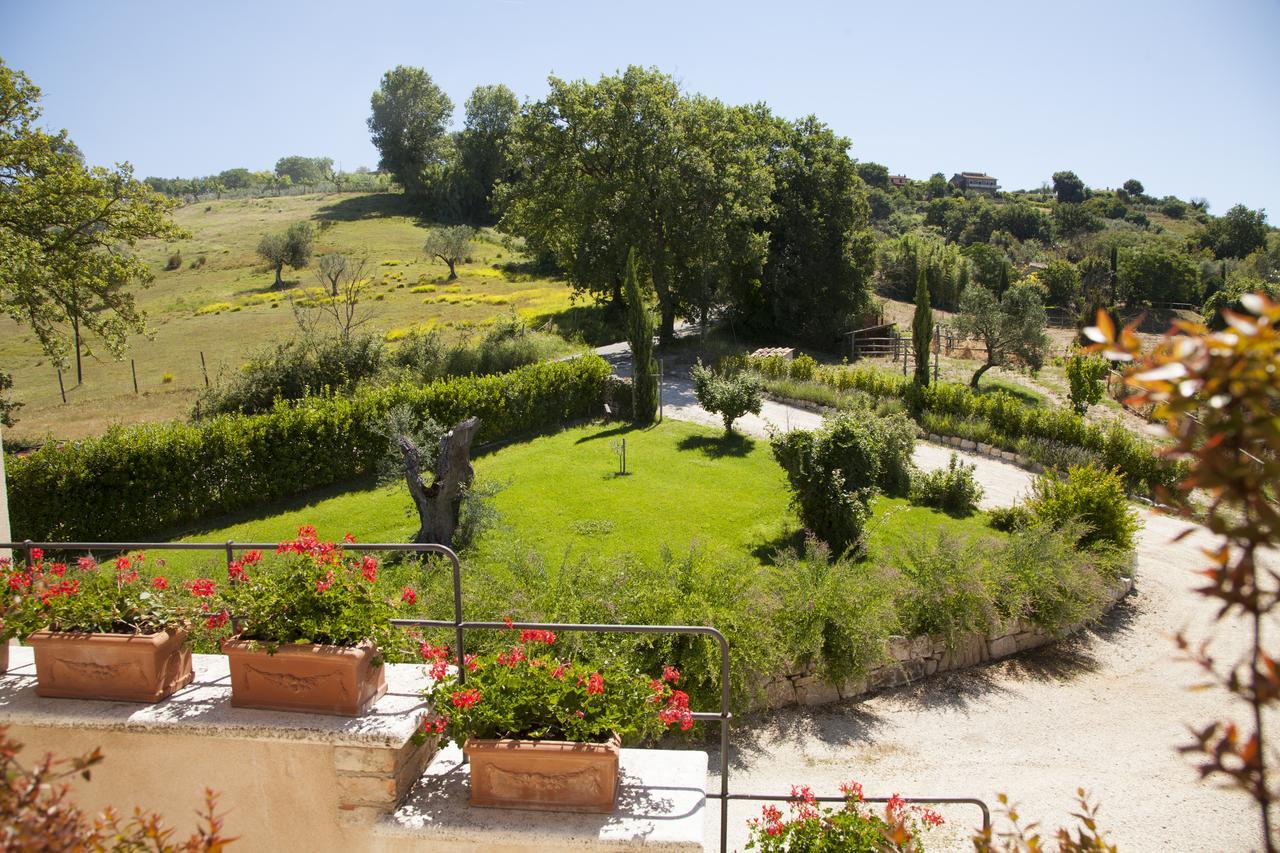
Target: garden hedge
[(1009, 420), (133, 482)]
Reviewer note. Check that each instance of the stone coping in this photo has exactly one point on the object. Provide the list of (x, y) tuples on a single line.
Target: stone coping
[(203, 708), (661, 806)]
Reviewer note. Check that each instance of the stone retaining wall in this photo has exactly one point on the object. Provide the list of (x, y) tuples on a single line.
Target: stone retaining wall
[(911, 659)]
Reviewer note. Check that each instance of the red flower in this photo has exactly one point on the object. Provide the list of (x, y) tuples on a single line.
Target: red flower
[(369, 568), (803, 792), (471, 664), (86, 564), (465, 698), (895, 806), (507, 619), (851, 789), (513, 657), (595, 684), (435, 724), (932, 818), (201, 587), (348, 539), (123, 564), (430, 652), (558, 672), (409, 595), (670, 673), (19, 581), (533, 635), (217, 620), (58, 569), (252, 557), (580, 714), (326, 582), (37, 554), (159, 582)]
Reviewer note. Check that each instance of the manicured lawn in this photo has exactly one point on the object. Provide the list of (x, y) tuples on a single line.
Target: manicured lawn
[(564, 499)]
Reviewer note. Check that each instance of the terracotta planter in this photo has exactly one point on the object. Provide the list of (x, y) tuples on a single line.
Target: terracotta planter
[(120, 667), (544, 775), (4, 655), (313, 679)]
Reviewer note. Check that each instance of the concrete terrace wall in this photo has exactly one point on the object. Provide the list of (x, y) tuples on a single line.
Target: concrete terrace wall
[(911, 659)]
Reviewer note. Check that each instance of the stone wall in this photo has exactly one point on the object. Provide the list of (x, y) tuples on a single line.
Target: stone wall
[(911, 659)]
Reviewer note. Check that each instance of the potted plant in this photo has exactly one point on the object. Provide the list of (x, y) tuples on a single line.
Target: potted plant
[(309, 623), (544, 733), (854, 828), (98, 632)]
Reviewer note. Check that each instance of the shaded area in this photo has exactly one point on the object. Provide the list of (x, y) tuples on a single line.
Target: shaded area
[(716, 447)]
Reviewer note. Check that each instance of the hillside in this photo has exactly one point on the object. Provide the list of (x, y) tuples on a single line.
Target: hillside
[(225, 307)]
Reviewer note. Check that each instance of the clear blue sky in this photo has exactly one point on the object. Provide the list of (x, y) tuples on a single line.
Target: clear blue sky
[(1185, 96)]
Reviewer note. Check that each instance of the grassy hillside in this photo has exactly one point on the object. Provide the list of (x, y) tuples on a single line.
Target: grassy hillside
[(225, 307)]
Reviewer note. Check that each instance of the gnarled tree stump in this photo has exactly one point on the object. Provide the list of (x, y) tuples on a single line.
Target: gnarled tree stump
[(440, 503)]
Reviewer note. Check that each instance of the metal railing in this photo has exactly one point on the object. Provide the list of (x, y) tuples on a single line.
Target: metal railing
[(459, 625)]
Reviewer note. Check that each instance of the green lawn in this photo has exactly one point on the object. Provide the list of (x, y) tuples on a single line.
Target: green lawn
[(564, 498)]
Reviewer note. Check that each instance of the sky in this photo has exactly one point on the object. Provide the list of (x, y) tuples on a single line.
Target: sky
[(1184, 96)]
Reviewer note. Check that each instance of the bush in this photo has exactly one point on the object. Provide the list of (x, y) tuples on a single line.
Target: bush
[(1085, 372), (1055, 454), (947, 588), (174, 262), (730, 396), (1007, 519), (291, 371), (1092, 496), (137, 481), (424, 356), (1048, 580), (952, 489)]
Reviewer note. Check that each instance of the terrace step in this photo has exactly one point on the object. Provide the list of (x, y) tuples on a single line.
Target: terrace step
[(661, 806)]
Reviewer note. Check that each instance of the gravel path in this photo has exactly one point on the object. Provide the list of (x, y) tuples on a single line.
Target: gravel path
[(1105, 709)]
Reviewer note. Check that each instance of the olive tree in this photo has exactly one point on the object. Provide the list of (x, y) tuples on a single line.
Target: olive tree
[(1011, 326), (289, 248), (450, 244)]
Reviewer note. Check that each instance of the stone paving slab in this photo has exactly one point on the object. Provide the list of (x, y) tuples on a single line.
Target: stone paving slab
[(204, 708), (661, 806)]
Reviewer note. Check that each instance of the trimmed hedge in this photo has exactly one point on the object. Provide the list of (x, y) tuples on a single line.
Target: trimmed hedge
[(1009, 420), (135, 481)]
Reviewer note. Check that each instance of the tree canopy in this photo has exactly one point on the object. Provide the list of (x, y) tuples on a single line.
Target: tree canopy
[(304, 170), (630, 161), (1236, 233), (450, 244), (287, 248), (491, 112), (67, 231), (1009, 326), (408, 121), (1156, 273), (1068, 188)]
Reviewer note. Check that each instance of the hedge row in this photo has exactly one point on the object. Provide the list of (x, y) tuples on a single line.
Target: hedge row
[(135, 481), (1010, 420)]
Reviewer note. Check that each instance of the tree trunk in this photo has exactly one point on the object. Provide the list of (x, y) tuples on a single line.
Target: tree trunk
[(452, 272), (440, 503), (973, 383), (279, 280), (75, 329), (667, 330)]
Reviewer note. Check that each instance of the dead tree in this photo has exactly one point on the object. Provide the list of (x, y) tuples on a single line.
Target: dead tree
[(440, 503)]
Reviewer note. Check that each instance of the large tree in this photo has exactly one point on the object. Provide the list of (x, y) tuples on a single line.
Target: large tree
[(67, 232), (1009, 326), (629, 161), (408, 120), (1157, 273), (644, 379), (1235, 234), (305, 170), (1068, 187), (821, 253), (491, 112)]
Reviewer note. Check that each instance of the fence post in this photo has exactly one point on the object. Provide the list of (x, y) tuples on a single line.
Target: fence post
[(134, 367), (937, 345), (62, 389), (204, 369)]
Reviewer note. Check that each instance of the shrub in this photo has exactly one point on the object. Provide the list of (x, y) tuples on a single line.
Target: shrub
[(1055, 454), (174, 262), (166, 378), (1085, 373), (1091, 495), (952, 489), (802, 368), (1047, 579), (1007, 519), (730, 396), (837, 615), (139, 480), (947, 588), (291, 371), (853, 828)]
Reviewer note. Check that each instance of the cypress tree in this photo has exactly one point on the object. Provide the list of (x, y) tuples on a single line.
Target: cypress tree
[(922, 330), (1004, 279), (640, 336)]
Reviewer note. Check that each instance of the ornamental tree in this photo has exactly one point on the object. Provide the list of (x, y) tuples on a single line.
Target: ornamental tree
[(1216, 395), (1010, 327), (291, 248), (922, 330), (731, 396), (1085, 373)]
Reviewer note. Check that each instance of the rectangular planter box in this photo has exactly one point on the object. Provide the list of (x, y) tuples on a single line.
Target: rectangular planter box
[(119, 667), (546, 775), (312, 679)]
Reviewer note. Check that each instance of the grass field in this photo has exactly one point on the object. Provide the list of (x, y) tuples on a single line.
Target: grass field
[(226, 308), (564, 499)]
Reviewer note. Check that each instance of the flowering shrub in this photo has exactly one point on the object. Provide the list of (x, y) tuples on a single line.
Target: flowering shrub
[(855, 828), (124, 596), (309, 591), (525, 691)]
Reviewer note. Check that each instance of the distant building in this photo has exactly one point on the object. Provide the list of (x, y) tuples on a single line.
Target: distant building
[(898, 180), (980, 181)]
